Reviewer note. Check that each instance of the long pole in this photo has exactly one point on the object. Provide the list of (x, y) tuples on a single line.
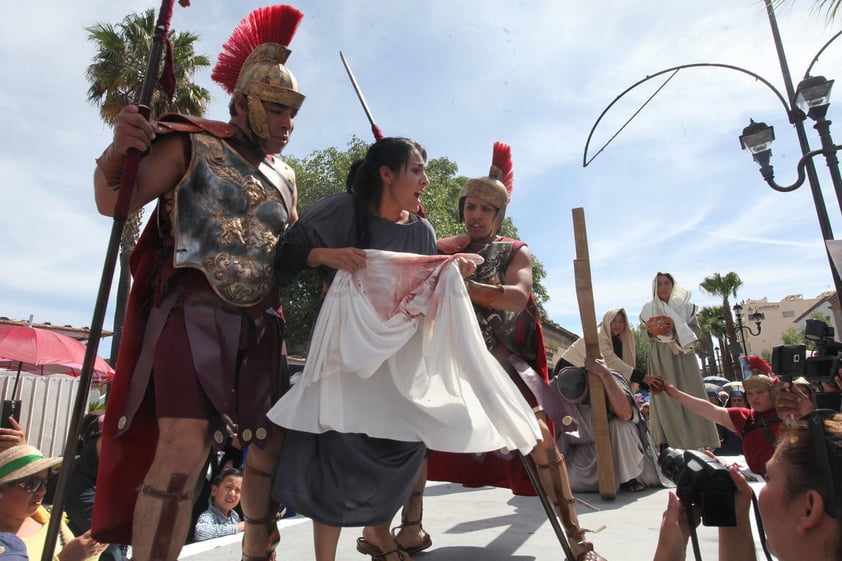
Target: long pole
[(798, 123), (120, 215)]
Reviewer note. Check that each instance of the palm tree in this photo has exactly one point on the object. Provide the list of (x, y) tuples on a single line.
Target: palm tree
[(116, 76), (709, 323), (117, 71), (724, 286), (830, 7)]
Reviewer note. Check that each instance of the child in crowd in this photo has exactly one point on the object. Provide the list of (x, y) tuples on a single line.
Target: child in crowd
[(220, 519)]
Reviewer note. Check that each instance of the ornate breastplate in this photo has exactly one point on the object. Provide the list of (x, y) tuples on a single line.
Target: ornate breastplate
[(492, 271), (227, 219)]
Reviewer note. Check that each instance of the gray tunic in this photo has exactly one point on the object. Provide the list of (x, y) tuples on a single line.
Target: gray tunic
[(349, 479)]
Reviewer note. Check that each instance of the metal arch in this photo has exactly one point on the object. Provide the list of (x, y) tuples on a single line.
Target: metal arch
[(674, 70), (818, 54)]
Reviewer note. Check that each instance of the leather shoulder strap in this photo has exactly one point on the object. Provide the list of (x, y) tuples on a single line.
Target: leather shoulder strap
[(176, 122)]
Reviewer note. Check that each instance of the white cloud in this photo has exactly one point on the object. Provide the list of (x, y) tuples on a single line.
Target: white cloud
[(672, 192)]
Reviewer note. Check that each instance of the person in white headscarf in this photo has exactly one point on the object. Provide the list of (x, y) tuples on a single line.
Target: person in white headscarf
[(670, 320), (617, 346)]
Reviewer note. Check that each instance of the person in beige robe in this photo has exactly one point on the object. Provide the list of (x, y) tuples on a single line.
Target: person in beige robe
[(671, 325)]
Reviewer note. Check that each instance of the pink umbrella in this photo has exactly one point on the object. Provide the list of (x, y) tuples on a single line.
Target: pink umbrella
[(44, 352)]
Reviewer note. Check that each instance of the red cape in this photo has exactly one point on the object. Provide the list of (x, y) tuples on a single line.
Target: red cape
[(492, 469), (124, 461)]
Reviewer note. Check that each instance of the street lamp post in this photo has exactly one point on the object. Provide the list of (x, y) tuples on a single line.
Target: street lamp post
[(811, 99), (756, 317)]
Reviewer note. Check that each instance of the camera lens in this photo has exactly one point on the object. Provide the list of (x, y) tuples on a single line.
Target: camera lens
[(671, 462)]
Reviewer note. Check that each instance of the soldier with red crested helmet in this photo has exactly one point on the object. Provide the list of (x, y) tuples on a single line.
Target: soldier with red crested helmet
[(202, 351)]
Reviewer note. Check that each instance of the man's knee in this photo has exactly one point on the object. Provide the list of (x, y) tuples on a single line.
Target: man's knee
[(182, 443)]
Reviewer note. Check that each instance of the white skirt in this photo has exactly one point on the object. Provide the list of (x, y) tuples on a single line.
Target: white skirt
[(397, 353)]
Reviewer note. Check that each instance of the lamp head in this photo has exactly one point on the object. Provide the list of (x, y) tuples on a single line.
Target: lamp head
[(812, 97), (757, 138)]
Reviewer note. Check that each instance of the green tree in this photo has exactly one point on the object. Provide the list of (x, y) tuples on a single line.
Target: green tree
[(116, 76), (725, 286), (641, 348), (793, 336), (708, 318), (323, 173)]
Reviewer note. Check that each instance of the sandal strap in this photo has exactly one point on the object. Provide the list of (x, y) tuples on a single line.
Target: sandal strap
[(383, 555)]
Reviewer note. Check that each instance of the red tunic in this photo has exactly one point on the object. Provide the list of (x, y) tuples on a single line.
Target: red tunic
[(495, 469), (757, 449)]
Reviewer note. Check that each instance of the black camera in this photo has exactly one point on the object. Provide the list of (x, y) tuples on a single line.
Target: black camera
[(701, 481), (789, 361)]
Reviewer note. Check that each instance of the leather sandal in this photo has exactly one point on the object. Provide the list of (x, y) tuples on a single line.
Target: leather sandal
[(274, 539), (426, 541), (367, 548)]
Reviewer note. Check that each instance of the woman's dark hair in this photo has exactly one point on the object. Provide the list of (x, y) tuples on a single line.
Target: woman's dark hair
[(669, 276), (364, 182), (230, 472), (799, 452)]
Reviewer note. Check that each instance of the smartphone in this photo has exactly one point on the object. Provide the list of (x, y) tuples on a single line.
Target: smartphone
[(11, 408)]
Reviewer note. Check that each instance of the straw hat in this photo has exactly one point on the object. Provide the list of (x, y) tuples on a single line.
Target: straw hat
[(19, 462)]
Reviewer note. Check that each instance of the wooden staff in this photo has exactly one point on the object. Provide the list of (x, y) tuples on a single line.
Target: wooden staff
[(599, 411)]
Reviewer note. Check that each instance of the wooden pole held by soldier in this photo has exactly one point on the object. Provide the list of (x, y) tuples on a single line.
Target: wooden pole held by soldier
[(599, 411)]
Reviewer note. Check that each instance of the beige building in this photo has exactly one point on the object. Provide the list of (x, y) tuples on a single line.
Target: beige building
[(790, 312), (556, 340)]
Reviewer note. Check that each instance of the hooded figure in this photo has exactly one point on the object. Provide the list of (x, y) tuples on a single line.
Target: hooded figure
[(616, 344)]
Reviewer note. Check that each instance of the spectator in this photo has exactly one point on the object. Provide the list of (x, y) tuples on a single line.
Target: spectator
[(23, 484), (12, 548), (635, 462), (13, 435), (713, 392), (793, 400), (758, 426), (735, 543), (220, 519), (81, 487), (800, 505), (736, 398)]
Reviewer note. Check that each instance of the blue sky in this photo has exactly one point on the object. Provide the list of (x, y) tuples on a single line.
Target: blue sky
[(673, 192)]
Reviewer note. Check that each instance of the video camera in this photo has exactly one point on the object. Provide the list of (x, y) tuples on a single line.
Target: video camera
[(701, 481), (790, 361)]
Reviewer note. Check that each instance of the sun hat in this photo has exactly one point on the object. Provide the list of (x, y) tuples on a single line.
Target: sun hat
[(22, 461)]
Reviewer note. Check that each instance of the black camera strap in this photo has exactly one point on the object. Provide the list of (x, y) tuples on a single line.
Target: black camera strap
[(763, 426)]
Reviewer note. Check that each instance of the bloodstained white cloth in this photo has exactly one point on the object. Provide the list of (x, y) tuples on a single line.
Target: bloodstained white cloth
[(396, 353)]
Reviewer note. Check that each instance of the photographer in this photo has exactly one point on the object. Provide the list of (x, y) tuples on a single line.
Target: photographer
[(735, 542), (793, 401), (758, 426), (800, 504)]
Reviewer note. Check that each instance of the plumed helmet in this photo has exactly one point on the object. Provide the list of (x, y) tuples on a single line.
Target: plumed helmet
[(760, 382), (496, 188), (758, 365), (253, 62)]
